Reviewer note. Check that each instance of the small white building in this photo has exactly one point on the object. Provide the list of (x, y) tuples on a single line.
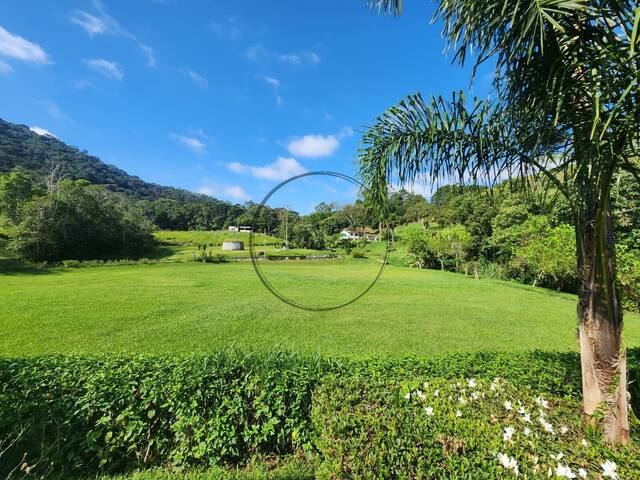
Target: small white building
[(241, 229), (350, 234)]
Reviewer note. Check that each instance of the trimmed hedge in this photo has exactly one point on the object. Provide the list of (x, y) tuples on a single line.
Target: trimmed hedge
[(74, 415)]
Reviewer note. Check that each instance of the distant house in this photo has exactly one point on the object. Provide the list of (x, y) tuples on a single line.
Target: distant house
[(241, 229), (351, 234)]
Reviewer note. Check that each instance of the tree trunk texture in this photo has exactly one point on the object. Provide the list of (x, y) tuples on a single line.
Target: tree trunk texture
[(602, 352)]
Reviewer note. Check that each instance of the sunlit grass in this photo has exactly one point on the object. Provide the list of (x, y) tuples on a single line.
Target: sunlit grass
[(193, 307)]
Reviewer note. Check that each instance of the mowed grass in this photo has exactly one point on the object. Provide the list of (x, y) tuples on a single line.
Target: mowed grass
[(193, 307)]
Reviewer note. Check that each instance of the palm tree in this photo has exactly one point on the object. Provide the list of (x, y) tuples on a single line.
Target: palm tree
[(563, 110)]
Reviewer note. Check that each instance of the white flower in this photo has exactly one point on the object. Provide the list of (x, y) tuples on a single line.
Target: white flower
[(436, 393), (458, 413), (508, 433), (526, 418), (542, 402), (585, 444), (420, 395), (508, 405), (425, 385), (609, 469), (564, 471), (474, 395), (508, 462), (546, 425), (526, 431), (563, 429), (408, 395), (558, 457), (522, 411), (429, 411), (472, 383), (462, 400), (582, 473)]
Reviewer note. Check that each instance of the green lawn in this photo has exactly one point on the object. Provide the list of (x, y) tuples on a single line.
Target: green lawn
[(192, 307)]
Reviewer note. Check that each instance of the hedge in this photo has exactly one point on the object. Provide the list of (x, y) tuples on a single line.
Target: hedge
[(83, 414)]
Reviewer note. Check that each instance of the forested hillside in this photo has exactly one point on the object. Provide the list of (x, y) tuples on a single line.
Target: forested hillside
[(20, 147)]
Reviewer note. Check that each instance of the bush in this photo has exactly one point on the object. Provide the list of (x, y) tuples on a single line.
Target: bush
[(116, 413), (73, 415), (358, 253)]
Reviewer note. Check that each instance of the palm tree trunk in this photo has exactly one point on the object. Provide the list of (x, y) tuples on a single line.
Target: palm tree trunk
[(602, 352)]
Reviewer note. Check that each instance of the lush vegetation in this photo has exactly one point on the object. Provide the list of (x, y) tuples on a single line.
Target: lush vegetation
[(524, 237), (59, 219), (562, 112), (377, 418)]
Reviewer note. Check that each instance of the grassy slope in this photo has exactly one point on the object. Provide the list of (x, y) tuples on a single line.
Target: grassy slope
[(185, 307)]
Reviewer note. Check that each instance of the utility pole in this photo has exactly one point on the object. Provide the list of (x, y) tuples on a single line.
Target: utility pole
[(286, 226)]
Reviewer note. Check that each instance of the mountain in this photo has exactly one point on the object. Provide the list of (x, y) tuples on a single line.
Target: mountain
[(37, 152)]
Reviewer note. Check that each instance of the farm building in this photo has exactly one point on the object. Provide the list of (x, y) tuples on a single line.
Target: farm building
[(241, 229), (351, 234)]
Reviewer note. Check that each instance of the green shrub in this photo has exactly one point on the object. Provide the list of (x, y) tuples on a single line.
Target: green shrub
[(116, 413), (72, 415), (358, 253), (71, 263)]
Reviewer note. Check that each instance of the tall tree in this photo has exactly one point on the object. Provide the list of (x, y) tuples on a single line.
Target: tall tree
[(564, 106)]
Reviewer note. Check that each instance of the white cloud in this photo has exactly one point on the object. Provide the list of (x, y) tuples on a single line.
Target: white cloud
[(292, 58), (234, 192), (312, 57), (14, 46), (5, 68), (99, 24), (282, 169), (81, 84), (42, 132), (192, 143), (106, 68), (346, 132), (150, 54), (199, 80), (258, 52), (228, 28), (313, 146), (93, 25), (271, 81), (275, 84), (51, 108)]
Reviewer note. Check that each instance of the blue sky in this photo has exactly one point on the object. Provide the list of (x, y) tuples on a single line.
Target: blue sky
[(226, 98)]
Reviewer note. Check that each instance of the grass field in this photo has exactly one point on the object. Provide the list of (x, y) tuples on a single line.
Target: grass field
[(193, 307), (180, 245)]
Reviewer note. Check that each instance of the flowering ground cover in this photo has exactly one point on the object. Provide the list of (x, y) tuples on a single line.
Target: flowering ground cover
[(464, 428)]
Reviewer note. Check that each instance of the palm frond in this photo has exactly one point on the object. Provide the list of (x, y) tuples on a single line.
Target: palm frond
[(387, 7), (511, 28), (442, 140)]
